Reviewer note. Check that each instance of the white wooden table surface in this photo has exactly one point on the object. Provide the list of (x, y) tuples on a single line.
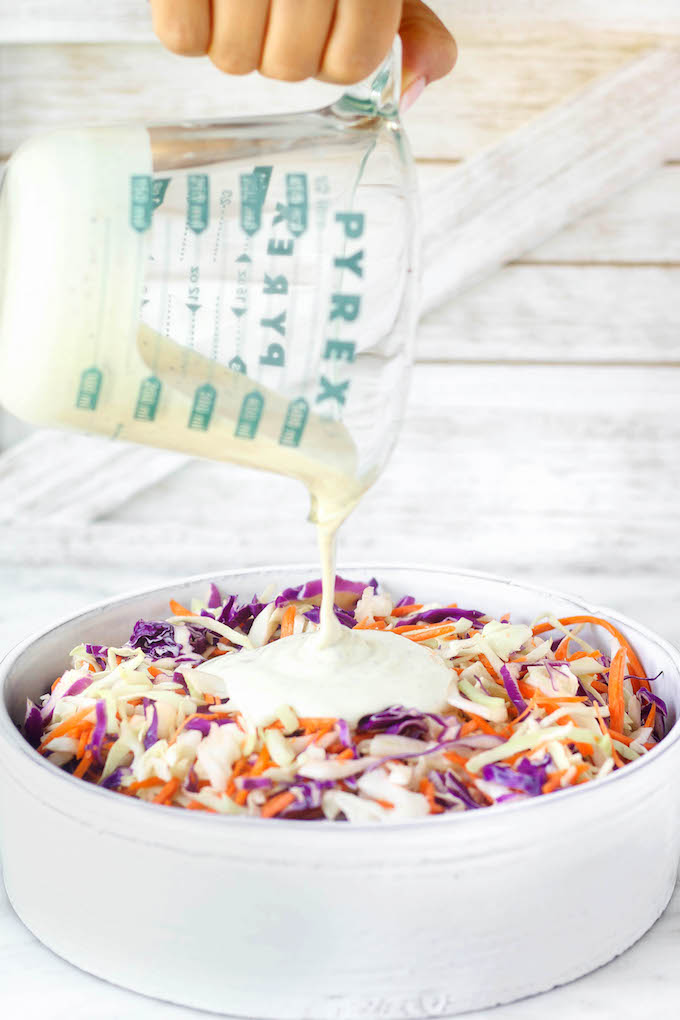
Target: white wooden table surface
[(542, 438)]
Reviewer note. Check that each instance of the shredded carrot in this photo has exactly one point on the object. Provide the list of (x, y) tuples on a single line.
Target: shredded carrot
[(288, 621), (554, 781), (66, 726), (197, 805), (651, 718), (426, 633), (487, 666), (367, 624), (155, 671), (468, 727), (144, 784), (427, 790), (616, 701), (310, 724), (179, 610), (262, 762), (457, 759), (595, 654), (406, 610), (384, 803), (83, 765), (83, 741), (167, 792), (621, 737), (275, 805), (563, 648), (347, 753)]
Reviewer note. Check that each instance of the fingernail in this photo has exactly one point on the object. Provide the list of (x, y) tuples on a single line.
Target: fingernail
[(411, 93)]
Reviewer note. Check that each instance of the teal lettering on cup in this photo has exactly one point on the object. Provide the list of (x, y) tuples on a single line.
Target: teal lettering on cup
[(238, 365), (251, 207), (141, 202), (147, 399), (198, 202), (159, 187), (89, 388), (263, 175), (249, 415), (294, 424), (294, 213), (332, 391), (203, 407)]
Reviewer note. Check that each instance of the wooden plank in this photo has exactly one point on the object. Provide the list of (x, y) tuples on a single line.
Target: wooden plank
[(508, 468), (501, 81), (62, 476), (130, 21), (501, 203), (640, 225), (561, 314)]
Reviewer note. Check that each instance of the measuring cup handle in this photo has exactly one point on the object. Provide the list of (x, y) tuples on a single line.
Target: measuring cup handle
[(380, 92)]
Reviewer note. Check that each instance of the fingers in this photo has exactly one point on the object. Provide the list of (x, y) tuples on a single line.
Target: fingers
[(340, 41), (238, 32), (297, 31), (360, 38), (429, 49), (183, 26)]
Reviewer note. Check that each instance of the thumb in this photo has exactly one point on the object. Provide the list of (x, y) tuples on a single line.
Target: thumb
[(429, 50)]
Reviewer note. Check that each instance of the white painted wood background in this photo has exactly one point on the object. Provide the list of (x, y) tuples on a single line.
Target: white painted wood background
[(542, 435), (542, 438)]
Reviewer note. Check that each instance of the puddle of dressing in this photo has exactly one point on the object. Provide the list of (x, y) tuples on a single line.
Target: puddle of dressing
[(334, 672)]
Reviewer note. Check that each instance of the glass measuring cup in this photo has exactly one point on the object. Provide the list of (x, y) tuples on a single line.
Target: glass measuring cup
[(243, 291)]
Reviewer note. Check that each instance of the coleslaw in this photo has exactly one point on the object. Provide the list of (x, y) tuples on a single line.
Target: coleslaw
[(531, 709)]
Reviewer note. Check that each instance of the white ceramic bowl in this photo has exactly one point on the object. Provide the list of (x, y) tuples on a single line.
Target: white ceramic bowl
[(294, 919)]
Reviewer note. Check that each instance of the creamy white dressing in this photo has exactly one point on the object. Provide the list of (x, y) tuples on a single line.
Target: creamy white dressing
[(359, 673)]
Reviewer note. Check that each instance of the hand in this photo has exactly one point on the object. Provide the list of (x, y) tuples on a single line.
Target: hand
[(339, 41)]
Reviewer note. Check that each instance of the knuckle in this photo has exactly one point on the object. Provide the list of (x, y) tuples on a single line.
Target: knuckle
[(346, 69), (283, 70), (232, 61), (184, 38)]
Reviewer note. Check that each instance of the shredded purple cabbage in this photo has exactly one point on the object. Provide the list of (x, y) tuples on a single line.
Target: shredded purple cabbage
[(33, 724), (98, 652), (445, 613), (79, 685), (155, 639), (312, 589), (653, 698), (343, 733), (511, 687), (406, 722), (449, 789), (528, 777), (99, 731), (115, 778), (151, 735), (345, 618), (255, 783)]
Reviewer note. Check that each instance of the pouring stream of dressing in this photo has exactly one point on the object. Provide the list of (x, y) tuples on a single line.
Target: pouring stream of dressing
[(334, 672)]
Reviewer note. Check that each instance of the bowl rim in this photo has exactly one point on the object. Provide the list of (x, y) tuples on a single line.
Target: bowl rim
[(11, 736)]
